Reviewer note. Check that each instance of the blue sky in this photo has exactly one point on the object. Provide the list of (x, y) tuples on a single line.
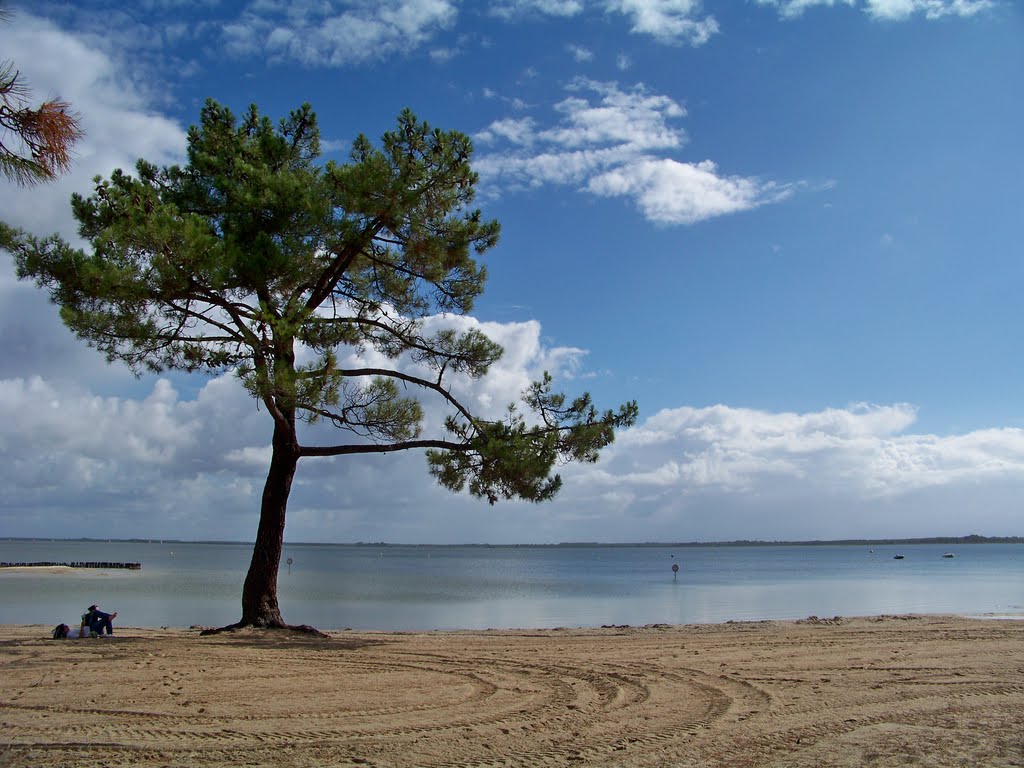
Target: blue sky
[(790, 230)]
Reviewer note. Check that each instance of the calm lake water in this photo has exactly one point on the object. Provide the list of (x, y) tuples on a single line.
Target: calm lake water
[(478, 587)]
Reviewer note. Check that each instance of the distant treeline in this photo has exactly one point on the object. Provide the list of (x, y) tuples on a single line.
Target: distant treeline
[(972, 539)]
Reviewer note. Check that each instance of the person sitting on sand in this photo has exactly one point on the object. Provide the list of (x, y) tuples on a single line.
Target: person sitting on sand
[(97, 620)]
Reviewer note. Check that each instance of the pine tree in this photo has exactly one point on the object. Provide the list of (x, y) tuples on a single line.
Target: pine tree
[(254, 250)]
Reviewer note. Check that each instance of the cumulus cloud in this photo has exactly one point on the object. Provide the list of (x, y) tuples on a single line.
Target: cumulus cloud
[(721, 472), (668, 21), (670, 192), (635, 120), (863, 448), (610, 141), (119, 121), (84, 465), (513, 130), (162, 465), (121, 125), (325, 35)]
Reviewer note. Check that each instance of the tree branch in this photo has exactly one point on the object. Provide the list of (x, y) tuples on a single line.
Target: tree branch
[(189, 312), (345, 450), (426, 384), (330, 276)]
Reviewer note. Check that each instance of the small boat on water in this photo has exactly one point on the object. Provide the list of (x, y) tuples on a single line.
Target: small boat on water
[(948, 555), (898, 557)]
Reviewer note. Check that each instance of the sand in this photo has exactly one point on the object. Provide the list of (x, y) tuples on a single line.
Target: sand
[(910, 691), (56, 570)]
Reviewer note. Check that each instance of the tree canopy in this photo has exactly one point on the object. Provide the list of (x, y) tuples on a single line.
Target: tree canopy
[(256, 257)]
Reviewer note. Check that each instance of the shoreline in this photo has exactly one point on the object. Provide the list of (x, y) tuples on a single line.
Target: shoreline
[(884, 690), (137, 631), (38, 569), (1001, 616)]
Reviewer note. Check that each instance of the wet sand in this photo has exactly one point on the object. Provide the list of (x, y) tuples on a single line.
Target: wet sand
[(887, 691)]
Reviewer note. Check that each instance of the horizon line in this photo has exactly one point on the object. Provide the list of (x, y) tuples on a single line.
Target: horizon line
[(967, 539)]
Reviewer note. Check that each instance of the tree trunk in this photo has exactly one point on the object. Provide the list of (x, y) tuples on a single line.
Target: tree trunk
[(259, 594)]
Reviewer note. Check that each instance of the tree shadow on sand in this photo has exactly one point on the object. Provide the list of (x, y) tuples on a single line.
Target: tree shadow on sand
[(288, 637)]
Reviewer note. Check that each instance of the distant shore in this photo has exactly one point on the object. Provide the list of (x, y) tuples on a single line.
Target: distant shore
[(944, 540), (37, 569), (934, 690)]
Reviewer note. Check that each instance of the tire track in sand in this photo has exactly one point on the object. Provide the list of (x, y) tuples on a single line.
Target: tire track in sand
[(641, 697)]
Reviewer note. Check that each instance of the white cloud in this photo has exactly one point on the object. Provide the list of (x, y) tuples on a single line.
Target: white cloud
[(579, 53), (318, 34), (81, 464), (896, 10), (86, 426), (668, 21), (509, 9), (335, 145), (120, 126), (888, 10), (790, 9), (245, 36), (514, 130), (444, 54), (670, 192), (523, 171), (161, 465), (721, 472), (608, 142), (861, 451), (636, 120), (618, 124)]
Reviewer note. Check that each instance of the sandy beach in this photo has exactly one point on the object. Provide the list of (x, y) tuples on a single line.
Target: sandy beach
[(887, 691)]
